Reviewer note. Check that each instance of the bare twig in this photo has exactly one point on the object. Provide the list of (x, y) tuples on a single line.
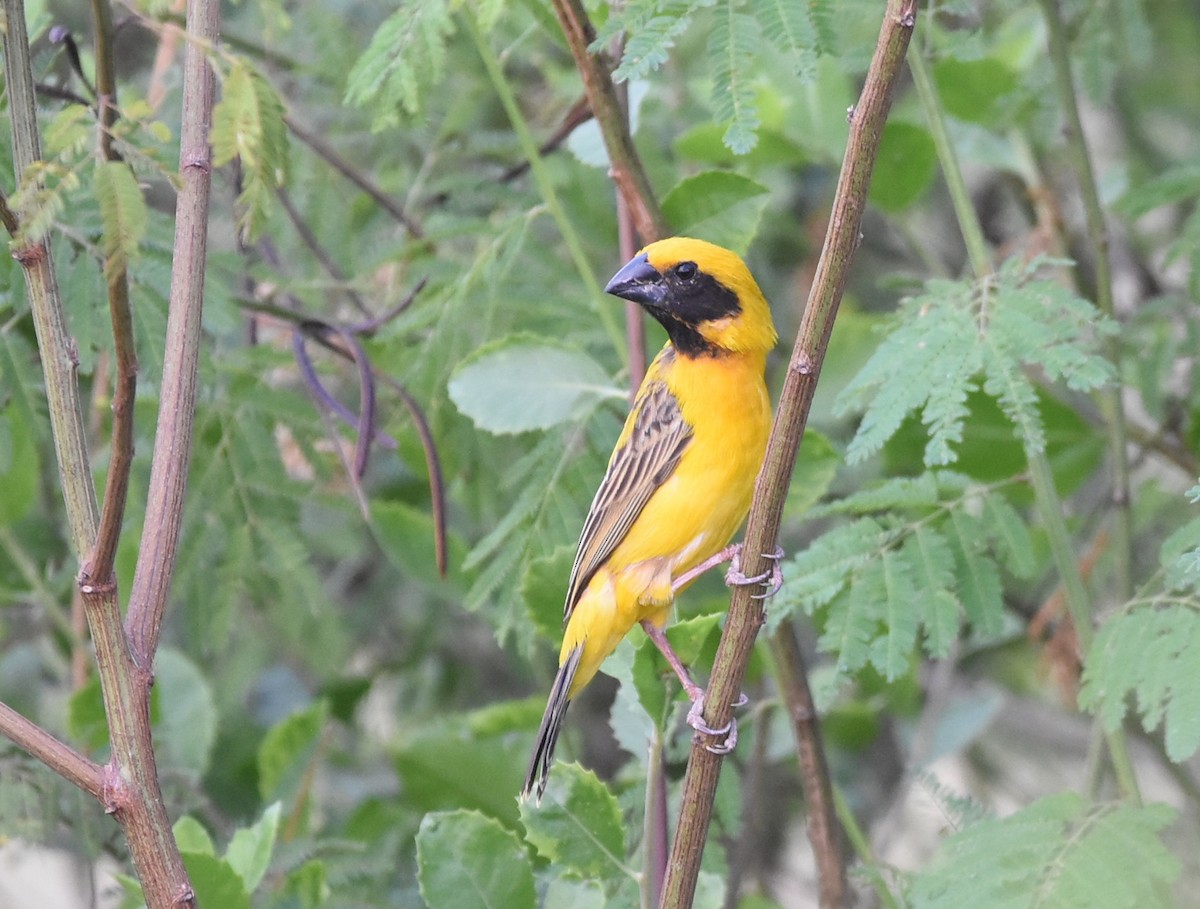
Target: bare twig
[(347, 170), (62, 759), (578, 114), (746, 614), (626, 167), (824, 831)]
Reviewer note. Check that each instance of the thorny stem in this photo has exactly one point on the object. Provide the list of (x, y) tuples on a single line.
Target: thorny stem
[(746, 614), (545, 185), (1097, 230)]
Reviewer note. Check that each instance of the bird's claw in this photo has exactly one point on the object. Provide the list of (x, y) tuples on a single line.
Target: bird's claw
[(695, 719), (773, 577)]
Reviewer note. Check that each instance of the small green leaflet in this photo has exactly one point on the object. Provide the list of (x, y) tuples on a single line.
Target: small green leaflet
[(522, 382), (122, 212)]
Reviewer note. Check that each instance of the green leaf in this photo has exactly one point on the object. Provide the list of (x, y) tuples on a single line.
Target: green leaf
[(688, 638), (651, 27), (439, 763), (466, 860), (405, 535), (122, 213), (18, 466), (522, 382), (543, 588), (905, 166), (287, 750), (86, 720), (1153, 654), (1058, 853), (249, 851), (718, 206), (977, 578), (817, 464), (733, 46), (1173, 185), (974, 90), (186, 727), (215, 883), (578, 826), (406, 55), (190, 836)]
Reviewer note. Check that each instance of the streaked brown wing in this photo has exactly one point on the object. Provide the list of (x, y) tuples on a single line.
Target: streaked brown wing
[(649, 456)]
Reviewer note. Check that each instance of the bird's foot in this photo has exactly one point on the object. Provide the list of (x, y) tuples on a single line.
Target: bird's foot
[(773, 577), (695, 719)]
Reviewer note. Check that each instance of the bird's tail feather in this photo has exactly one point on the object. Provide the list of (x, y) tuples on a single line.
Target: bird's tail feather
[(547, 735)]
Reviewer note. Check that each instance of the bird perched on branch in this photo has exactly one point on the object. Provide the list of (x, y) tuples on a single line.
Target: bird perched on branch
[(679, 482)]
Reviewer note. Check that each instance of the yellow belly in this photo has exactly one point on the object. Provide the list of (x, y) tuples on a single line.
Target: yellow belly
[(691, 517)]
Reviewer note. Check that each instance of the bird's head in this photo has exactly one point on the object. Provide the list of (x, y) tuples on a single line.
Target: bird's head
[(703, 294)]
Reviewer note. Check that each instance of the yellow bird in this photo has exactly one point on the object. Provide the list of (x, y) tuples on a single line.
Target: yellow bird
[(679, 482)]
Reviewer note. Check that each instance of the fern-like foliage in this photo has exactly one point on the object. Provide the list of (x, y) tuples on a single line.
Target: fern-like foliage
[(958, 336), (122, 212), (407, 54), (1150, 654), (1059, 853), (248, 125), (799, 31), (920, 557), (555, 480)]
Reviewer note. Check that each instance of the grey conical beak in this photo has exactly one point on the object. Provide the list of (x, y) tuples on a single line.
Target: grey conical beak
[(638, 281)]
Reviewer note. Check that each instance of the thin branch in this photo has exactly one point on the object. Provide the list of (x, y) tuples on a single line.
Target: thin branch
[(635, 318), (59, 358), (343, 167), (626, 170), (1097, 230), (824, 831), (324, 259), (59, 757), (578, 114), (746, 614), (98, 566)]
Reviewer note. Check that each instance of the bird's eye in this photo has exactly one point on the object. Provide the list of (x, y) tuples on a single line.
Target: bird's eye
[(686, 270)]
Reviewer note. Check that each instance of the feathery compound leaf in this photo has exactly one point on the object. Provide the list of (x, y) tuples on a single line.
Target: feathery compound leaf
[(1058, 853), (732, 48), (790, 27), (650, 27), (248, 125), (1153, 654), (122, 212), (407, 53), (957, 332)]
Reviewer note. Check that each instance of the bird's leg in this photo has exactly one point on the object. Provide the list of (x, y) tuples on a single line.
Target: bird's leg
[(729, 552), (773, 577), (734, 576), (695, 693)]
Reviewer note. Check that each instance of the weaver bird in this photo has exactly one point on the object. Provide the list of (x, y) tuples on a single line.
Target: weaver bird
[(679, 482)]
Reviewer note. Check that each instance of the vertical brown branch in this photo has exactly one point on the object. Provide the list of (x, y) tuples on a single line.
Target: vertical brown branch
[(626, 167), (745, 614), (176, 410)]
